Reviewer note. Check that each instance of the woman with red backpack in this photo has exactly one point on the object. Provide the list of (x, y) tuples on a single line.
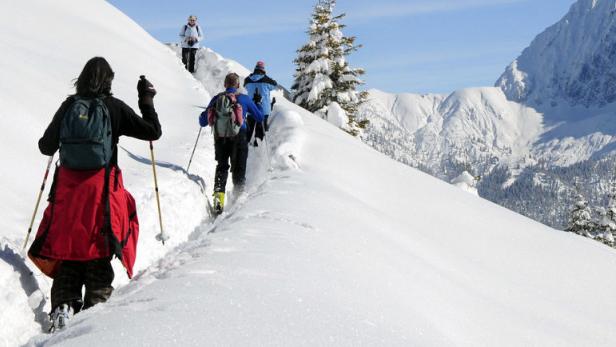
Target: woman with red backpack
[(90, 216)]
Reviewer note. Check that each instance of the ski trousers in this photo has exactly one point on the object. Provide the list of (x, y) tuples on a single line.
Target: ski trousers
[(96, 275), (259, 129), (233, 149), (188, 58)]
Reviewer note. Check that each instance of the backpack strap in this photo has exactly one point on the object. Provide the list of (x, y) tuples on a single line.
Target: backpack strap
[(238, 113), (114, 246), (186, 28)]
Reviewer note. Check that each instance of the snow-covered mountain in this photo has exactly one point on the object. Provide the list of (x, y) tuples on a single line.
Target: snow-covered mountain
[(553, 109), (332, 244), (476, 127), (571, 62)]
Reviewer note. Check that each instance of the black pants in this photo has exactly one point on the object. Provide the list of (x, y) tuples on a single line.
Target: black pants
[(95, 275), (188, 58), (236, 150), (257, 128)]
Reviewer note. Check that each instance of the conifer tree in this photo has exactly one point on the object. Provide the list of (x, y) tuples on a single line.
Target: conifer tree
[(322, 74), (580, 221), (608, 221)]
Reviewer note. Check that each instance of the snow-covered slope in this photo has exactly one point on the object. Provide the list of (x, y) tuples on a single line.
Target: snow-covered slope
[(37, 69), (332, 244), (339, 252)]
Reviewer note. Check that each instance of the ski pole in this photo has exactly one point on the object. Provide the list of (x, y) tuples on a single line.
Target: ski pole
[(162, 236), (38, 200), (267, 151), (271, 120), (193, 151), (269, 158)]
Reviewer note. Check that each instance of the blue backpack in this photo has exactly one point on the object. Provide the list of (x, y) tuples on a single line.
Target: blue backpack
[(86, 142)]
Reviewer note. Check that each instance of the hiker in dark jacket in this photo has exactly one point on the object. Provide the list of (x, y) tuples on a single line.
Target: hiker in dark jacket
[(259, 85), (235, 148), (90, 216)]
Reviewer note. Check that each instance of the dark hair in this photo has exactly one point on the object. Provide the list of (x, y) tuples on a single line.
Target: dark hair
[(232, 80), (95, 78)]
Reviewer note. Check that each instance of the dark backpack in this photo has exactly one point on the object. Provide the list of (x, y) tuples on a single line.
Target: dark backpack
[(226, 115), (85, 135)]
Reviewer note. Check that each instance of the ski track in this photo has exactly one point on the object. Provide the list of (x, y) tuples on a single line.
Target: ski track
[(28, 280)]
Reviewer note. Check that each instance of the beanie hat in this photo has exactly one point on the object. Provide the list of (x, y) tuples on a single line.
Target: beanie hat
[(260, 66)]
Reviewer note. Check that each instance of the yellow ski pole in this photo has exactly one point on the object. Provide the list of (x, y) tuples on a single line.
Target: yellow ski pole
[(162, 236), (38, 200)]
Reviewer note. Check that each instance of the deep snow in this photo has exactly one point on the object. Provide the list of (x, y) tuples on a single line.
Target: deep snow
[(332, 244)]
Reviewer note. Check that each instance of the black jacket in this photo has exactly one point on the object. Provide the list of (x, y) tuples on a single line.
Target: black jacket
[(124, 121)]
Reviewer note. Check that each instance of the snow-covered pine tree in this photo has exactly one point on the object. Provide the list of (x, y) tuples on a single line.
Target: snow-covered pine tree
[(608, 222), (580, 220), (322, 74)]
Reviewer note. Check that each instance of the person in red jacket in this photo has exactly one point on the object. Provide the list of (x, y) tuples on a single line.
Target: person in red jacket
[(90, 216)]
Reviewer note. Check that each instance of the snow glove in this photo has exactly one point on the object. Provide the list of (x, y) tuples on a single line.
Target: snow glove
[(192, 40), (146, 91), (203, 119)]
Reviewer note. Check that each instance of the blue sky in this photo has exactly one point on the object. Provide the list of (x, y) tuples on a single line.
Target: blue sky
[(418, 46)]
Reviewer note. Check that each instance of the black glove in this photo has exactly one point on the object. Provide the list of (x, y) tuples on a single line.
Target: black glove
[(146, 90), (257, 98)]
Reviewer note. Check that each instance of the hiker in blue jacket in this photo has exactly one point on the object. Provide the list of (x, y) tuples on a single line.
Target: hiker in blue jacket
[(259, 85), (191, 36), (234, 148)]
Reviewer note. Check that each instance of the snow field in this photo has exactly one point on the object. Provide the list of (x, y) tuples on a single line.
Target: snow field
[(331, 244)]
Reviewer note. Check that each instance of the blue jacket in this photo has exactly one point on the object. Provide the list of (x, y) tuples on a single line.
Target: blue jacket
[(242, 99), (264, 84)]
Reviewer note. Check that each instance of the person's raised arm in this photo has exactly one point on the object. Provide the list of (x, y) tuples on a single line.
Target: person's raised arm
[(146, 127)]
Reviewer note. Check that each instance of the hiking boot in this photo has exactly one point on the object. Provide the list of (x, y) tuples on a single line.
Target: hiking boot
[(60, 317), (219, 202)]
